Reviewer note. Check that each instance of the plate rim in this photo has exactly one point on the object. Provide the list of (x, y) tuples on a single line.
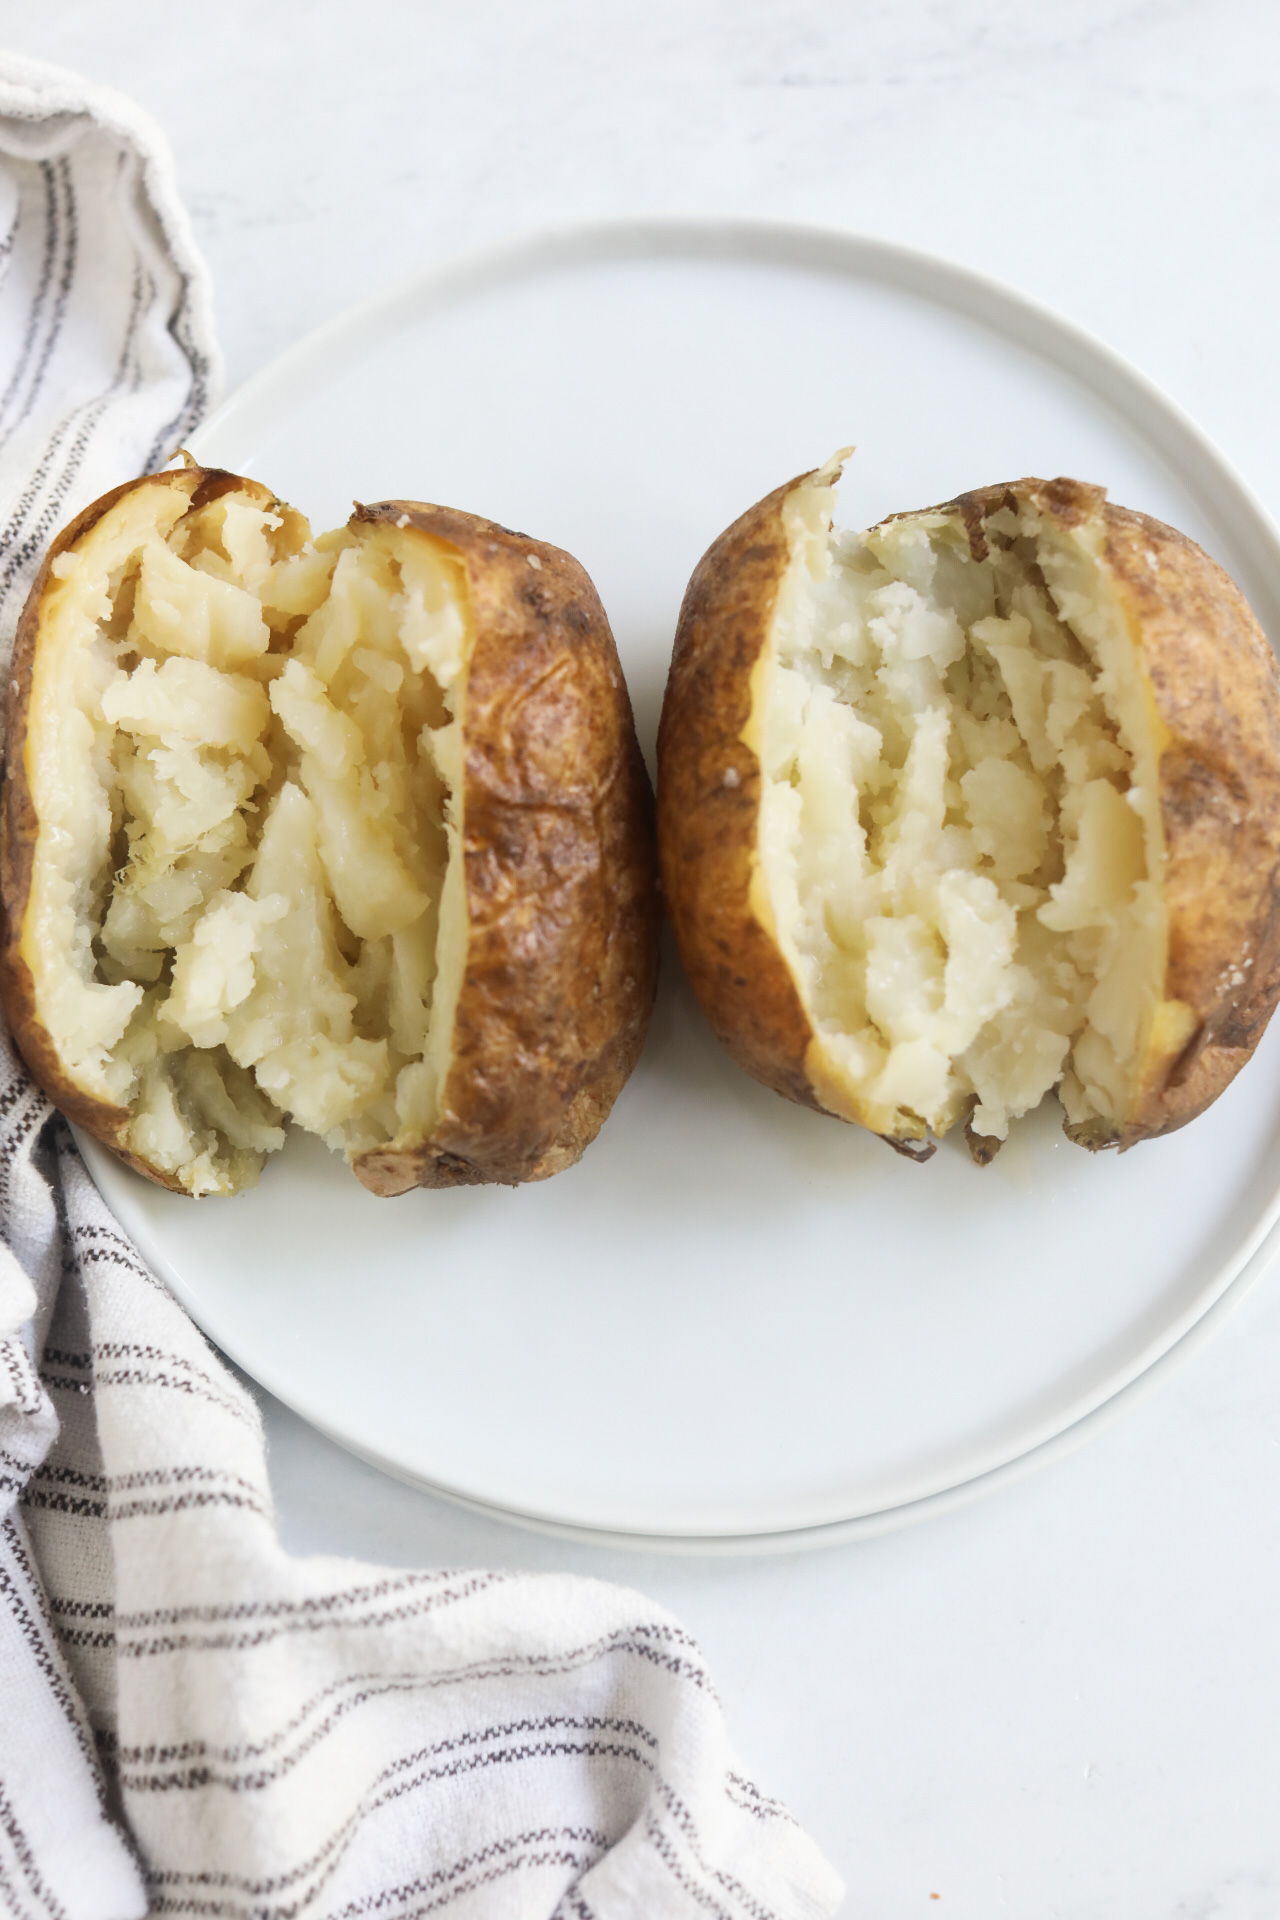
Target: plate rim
[(1142, 1384), (1056, 341), (968, 291)]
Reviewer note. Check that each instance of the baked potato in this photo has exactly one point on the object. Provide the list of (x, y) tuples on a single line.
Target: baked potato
[(977, 804), (353, 831)]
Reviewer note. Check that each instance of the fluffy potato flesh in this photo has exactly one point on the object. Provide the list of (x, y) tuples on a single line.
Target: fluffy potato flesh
[(246, 901), (960, 848)]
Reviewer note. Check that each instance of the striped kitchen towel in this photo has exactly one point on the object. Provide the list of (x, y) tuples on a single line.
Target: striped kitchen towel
[(192, 1721)]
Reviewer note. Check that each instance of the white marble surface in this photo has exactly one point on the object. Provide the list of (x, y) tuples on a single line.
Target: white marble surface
[(1063, 1703)]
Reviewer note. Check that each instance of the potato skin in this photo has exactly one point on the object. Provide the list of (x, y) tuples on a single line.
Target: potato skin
[(1215, 686), (709, 801), (1217, 691), (559, 852), (560, 865)]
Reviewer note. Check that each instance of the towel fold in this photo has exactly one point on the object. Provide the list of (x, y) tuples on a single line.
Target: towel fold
[(195, 1722)]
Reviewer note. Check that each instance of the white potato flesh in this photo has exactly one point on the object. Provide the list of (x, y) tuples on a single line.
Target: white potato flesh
[(244, 750), (961, 852)]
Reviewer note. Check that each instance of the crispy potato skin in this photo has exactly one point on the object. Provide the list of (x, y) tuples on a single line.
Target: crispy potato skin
[(1217, 691), (709, 801), (1215, 686), (560, 864), (559, 852)]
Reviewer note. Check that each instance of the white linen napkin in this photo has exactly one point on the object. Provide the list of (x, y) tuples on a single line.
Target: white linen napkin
[(193, 1722)]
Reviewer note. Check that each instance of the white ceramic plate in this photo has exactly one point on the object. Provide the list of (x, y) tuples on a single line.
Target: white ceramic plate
[(736, 1322)]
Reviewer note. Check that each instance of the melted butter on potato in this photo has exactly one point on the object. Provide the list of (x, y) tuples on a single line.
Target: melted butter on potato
[(960, 850), (246, 898)]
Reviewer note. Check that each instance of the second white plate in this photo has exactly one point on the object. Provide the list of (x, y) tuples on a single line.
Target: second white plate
[(734, 1321)]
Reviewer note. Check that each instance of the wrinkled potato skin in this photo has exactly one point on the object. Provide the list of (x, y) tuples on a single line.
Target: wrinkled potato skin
[(707, 829), (1215, 686), (558, 838), (1217, 691), (560, 866)]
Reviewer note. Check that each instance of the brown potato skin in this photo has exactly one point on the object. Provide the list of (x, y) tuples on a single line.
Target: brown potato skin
[(1216, 688), (707, 827), (560, 864)]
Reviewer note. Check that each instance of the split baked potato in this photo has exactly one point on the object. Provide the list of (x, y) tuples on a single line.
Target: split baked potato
[(977, 804), (352, 830)]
